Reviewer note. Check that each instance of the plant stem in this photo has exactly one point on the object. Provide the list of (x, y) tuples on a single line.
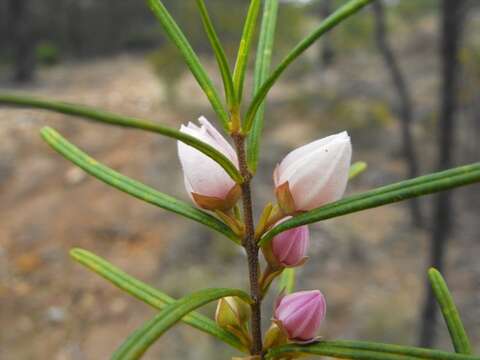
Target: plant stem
[(251, 247)]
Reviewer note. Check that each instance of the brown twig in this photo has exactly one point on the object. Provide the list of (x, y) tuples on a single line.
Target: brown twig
[(251, 247)]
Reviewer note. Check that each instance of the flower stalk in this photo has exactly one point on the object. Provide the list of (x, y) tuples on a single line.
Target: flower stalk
[(251, 247)]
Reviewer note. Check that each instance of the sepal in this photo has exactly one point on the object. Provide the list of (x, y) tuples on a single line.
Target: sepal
[(214, 203), (230, 219), (232, 311), (275, 336), (285, 199)]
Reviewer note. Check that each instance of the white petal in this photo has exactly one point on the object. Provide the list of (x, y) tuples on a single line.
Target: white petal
[(221, 144), (301, 152), (202, 174), (321, 177)]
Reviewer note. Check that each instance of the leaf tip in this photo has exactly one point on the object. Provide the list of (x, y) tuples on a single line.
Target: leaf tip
[(76, 253), (433, 271)]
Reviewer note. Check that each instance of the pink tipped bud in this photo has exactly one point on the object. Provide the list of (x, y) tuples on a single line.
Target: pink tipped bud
[(300, 314), (289, 248), (207, 183), (314, 174)]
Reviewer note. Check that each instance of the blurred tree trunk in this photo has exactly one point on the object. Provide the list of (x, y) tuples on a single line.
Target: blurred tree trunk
[(405, 109), (327, 54), (22, 37), (74, 26), (451, 29)]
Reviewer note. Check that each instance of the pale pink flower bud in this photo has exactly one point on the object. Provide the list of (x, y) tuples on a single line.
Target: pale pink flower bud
[(314, 174), (289, 248), (300, 314), (207, 183)]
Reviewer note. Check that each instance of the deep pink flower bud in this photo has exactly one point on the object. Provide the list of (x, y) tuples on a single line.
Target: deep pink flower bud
[(300, 314), (289, 248), (314, 174), (207, 183)]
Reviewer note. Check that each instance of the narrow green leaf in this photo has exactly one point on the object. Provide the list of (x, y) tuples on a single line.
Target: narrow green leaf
[(347, 10), (450, 313), (287, 281), (262, 70), (362, 350), (193, 62), (357, 169), (429, 184), (244, 48), (123, 121), (151, 296), (139, 342), (219, 54), (132, 187)]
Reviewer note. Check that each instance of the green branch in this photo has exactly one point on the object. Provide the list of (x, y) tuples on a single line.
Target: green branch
[(220, 55), (361, 350), (140, 341), (329, 23), (262, 70), (150, 296), (100, 116), (404, 190), (193, 62), (244, 48), (132, 187), (450, 313)]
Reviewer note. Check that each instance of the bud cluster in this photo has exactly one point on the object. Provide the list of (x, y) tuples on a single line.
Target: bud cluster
[(307, 178)]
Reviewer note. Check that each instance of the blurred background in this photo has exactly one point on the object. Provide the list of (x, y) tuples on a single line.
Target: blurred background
[(403, 77)]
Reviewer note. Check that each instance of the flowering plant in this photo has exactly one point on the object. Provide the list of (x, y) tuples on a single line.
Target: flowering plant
[(309, 184)]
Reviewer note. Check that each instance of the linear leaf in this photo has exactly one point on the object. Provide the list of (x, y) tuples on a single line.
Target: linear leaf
[(287, 281), (132, 187), (219, 54), (123, 121), (329, 23), (450, 313), (244, 48), (139, 342), (403, 190), (362, 350), (262, 70), (357, 169), (150, 296), (193, 62)]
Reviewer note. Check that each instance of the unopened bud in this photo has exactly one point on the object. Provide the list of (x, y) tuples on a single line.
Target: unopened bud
[(314, 174), (207, 183), (232, 312), (290, 247), (301, 314)]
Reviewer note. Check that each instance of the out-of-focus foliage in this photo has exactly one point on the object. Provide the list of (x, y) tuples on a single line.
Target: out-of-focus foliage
[(47, 53), (356, 33), (413, 10), (83, 28)]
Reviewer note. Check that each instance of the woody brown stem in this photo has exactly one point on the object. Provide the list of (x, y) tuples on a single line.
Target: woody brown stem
[(251, 248)]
